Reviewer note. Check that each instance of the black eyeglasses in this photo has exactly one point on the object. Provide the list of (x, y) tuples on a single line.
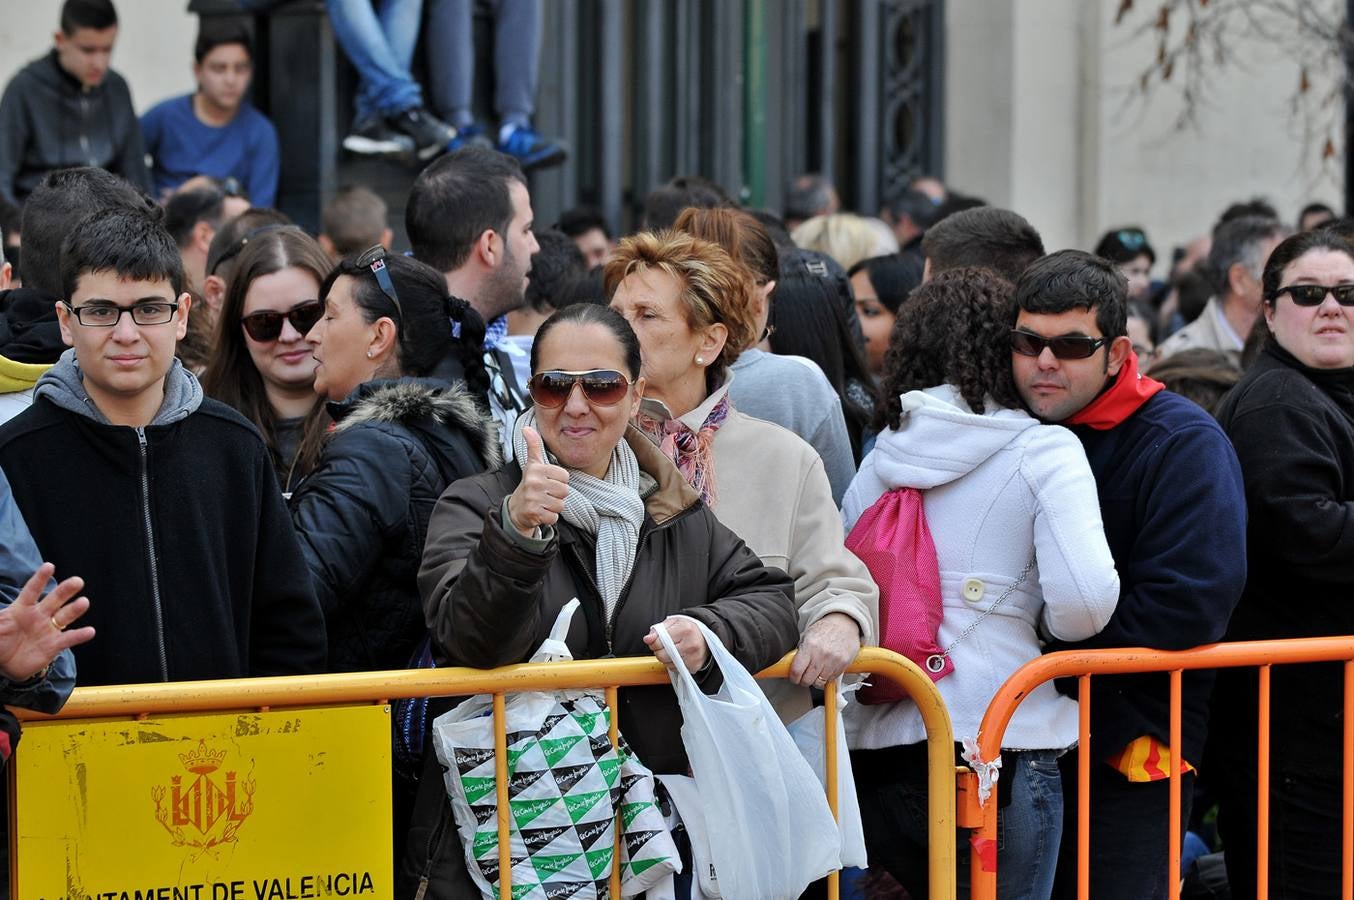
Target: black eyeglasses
[(374, 260), (602, 387), (1315, 294), (267, 325), (106, 315), (1064, 347)]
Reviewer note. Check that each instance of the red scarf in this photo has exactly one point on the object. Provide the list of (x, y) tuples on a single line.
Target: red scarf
[(1129, 391)]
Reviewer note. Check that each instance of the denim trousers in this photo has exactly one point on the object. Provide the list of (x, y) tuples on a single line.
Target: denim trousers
[(1130, 834), (379, 37), (451, 70), (891, 787)]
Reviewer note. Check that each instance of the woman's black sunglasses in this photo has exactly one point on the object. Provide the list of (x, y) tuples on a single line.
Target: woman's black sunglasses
[(603, 387), (1065, 347), (1315, 294), (267, 326), (374, 260)]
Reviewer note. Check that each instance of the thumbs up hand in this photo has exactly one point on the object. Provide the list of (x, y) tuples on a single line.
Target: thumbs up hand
[(539, 498)]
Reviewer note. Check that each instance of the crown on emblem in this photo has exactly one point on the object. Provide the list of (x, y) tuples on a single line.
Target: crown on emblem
[(202, 761)]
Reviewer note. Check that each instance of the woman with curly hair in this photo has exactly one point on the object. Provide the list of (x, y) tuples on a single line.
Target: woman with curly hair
[(1011, 506)]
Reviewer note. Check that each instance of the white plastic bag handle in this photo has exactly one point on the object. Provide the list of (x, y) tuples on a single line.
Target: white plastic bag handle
[(554, 647), (734, 673)]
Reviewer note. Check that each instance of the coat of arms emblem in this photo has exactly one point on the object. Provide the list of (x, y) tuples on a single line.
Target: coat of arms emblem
[(205, 808)]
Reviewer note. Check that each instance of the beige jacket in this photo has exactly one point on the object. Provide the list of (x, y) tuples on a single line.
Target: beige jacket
[(1204, 333), (772, 491)]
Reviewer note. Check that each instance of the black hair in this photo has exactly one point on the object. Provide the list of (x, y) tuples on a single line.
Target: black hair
[(1123, 245), (11, 218), (424, 332), (582, 287), (663, 205), (808, 196), (893, 276), (1313, 208), (1294, 248), (774, 225), (956, 203), (1238, 241), (579, 220), (186, 208), (1192, 293), (131, 243), (456, 199), (592, 314), (61, 201), (807, 320), (1074, 279), (1256, 206), (95, 14), (915, 205), (953, 330), (213, 33), (557, 262), (996, 239)]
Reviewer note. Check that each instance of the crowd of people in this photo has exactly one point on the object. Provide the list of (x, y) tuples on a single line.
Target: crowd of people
[(253, 451)]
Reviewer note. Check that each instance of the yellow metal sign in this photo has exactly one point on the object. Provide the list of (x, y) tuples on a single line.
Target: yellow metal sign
[(286, 805)]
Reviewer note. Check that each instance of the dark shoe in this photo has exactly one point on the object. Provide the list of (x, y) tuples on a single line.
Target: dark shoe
[(471, 135), (372, 137), (430, 134), (532, 150)]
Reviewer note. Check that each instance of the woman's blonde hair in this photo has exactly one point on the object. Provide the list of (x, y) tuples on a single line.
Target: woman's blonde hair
[(713, 288), (845, 237)]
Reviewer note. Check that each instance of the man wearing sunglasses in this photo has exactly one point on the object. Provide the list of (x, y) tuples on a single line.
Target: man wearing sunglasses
[(1175, 515)]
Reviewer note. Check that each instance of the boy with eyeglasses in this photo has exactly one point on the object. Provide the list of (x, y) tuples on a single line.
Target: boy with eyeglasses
[(1175, 516), (165, 502)]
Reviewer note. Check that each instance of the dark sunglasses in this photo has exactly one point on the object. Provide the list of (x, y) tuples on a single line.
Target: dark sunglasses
[(1315, 294), (267, 326), (602, 387), (374, 260), (1065, 347)]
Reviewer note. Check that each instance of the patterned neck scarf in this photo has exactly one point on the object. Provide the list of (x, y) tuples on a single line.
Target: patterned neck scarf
[(692, 451)]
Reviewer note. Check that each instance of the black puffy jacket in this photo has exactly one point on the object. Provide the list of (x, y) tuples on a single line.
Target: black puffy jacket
[(362, 514)]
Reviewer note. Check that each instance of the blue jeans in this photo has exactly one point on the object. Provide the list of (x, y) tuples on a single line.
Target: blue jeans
[(517, 47), (891, 786), (379, 37)]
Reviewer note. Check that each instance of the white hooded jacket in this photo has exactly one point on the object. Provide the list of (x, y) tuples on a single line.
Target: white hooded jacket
[(999, 489)]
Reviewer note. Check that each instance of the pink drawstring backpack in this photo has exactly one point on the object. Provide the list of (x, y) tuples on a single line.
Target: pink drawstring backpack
[(894, 542)]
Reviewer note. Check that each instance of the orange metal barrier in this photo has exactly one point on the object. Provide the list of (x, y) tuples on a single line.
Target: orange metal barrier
[(264, 694), (1264, 654)]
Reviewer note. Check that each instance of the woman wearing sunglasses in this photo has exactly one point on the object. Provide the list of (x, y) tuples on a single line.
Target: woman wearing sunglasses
[(399, 439), (1011, 507), (590, 509), (262, 364), (690, 304), (1291, 420)]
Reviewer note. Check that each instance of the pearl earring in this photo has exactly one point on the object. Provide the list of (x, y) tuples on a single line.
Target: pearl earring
[(700, 360), (368, 354)]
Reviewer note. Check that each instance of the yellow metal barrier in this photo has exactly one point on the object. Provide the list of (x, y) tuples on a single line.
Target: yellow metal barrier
[(133, 702)]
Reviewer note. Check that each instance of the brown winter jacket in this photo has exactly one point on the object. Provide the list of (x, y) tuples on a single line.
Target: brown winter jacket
[(490, 601)]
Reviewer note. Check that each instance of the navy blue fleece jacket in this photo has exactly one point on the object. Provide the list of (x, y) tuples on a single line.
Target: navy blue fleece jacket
[(1174, 508)]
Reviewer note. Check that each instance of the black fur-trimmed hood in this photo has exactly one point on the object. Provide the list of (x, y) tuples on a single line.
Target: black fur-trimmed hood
[(417, 403)]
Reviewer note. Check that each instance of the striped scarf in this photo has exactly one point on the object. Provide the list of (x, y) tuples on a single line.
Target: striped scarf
[(692, 451)]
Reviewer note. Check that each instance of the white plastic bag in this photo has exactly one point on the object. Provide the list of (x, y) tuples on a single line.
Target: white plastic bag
[(566, 783), (768, 827), (808, 732)]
